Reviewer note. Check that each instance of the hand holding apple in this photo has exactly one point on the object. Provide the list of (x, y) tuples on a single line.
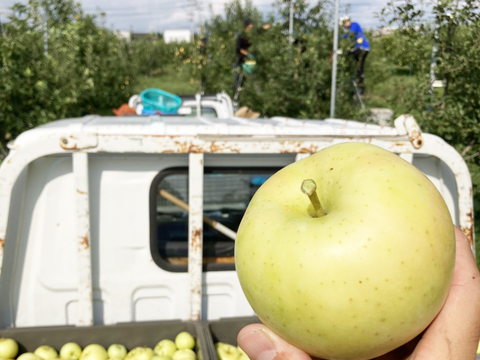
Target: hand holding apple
[(453, 334), (358, 273), (8, 348)]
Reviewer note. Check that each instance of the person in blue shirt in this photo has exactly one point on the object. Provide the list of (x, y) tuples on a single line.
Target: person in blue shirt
[(360, 50)]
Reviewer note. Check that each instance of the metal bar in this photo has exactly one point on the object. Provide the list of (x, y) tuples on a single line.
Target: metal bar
[(195, 233), (290, 24), (334, 64), (214, 224), (85, 297)]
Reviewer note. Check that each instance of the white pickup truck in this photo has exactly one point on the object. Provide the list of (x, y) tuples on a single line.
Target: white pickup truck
[(87, 239)]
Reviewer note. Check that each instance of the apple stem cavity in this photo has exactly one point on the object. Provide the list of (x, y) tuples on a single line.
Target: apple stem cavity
[(309, 188)]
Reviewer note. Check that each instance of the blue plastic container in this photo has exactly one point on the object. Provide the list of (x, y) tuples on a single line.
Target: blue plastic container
[(159, 100)]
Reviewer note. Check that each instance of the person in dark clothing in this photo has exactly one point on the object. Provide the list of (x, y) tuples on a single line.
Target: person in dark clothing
[(360, 50), (241, 50), (201, 51)]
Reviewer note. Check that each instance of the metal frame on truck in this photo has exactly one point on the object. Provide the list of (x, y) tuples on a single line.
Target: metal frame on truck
[(196, 137)]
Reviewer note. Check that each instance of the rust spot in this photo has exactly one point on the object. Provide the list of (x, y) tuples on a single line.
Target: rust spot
[(197, 239), (468, 230), (2, 244), (85, 242), (81, 192)]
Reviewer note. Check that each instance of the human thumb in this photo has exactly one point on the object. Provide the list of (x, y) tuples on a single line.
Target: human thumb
[(260, 343)]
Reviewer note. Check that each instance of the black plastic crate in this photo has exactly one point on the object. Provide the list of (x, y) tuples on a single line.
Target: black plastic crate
[(226, 331), (130, 335)]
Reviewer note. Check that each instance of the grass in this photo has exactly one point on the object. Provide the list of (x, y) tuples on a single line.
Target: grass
[(171, 80)]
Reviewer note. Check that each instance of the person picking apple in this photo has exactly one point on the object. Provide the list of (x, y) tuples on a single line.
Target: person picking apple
[(453, 335)]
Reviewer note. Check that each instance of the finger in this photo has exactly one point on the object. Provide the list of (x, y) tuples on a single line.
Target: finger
[(455, 332), (260, 343)]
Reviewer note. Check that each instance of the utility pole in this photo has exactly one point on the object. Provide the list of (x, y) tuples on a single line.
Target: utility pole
[(199, 8), (191, 18), (334, 65), (290, 25), (45, 32), (433, 60)]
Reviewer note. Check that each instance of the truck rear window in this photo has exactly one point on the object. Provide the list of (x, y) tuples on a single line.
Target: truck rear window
[(226, 195)]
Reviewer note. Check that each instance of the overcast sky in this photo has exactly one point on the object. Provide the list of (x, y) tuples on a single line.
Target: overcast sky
[(157, 15)]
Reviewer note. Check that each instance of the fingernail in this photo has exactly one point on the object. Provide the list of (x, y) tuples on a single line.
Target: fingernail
[(258, 346)]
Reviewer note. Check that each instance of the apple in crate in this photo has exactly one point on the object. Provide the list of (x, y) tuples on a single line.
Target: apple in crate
[(184, 354), (161, 357), (70, 351), (184, 341), (29, 356), (140, 353), (227, 351), (348, 253), (94, 352), (46, 352), (116, 351), (165, 347), (8, 348)]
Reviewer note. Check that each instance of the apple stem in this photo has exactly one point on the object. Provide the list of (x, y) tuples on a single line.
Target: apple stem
[(309, 188)]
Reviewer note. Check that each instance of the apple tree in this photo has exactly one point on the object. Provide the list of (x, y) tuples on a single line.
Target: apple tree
[(452, 112)]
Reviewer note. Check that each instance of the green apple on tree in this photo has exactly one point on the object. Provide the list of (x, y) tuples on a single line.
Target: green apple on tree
[(184, 354), (184, 341), (140, 353), (70, 351), (46, 352), (94, 352), (227, 351), (165, 347), (8, 348), (116, 351), (348, 253), (29, 356)]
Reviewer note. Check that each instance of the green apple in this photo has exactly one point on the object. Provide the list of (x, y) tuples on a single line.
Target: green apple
[(243, 356), (184, 354), (161, 357), (94, 352), (46, 352), (361, 272), (140, 353), (70, 351), (29, 356), (116, 351), (165, 347), (8, 348), (184, 341), (226, 351)]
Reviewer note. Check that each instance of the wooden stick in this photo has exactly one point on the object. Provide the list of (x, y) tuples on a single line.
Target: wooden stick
[(214, 224)]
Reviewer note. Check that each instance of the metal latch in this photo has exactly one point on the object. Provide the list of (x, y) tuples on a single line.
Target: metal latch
[(407, 125), (79, 141)]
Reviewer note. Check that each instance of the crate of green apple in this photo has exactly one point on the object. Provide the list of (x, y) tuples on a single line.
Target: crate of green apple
[(224, 333), (175, 340)]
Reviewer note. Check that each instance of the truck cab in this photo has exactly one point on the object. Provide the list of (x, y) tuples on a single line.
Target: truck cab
[(87, 238)]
